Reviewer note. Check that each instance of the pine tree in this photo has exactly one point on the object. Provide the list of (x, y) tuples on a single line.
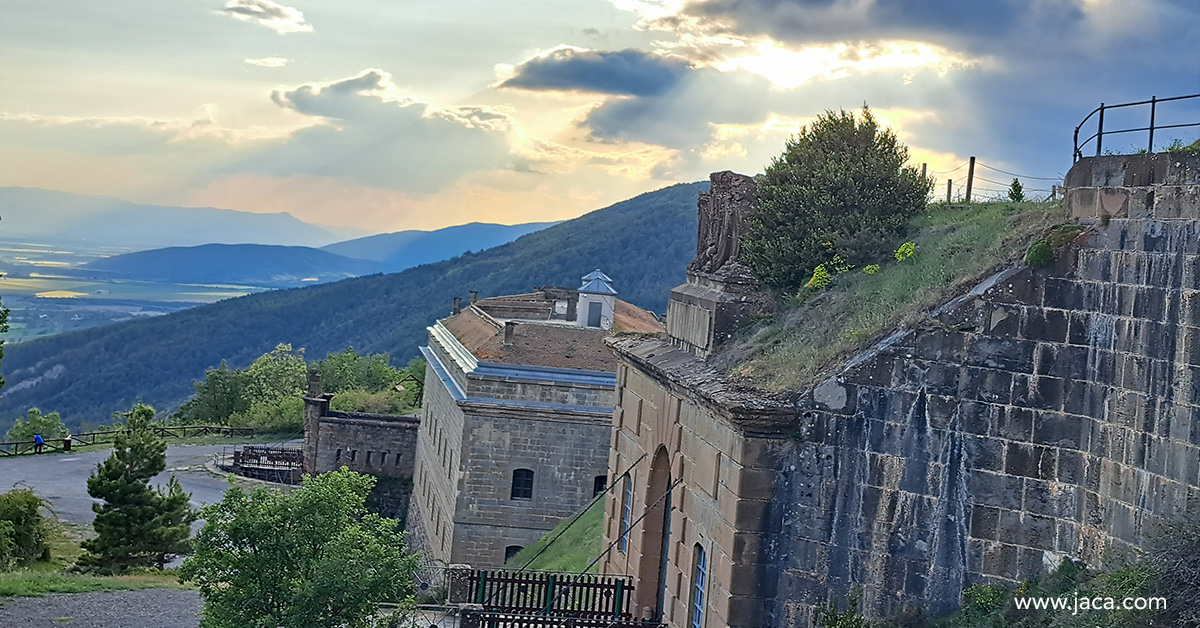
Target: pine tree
[(136, 525), (1016, 192)]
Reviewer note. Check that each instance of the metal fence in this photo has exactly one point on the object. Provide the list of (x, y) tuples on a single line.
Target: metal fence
[(550, 593), (1152, 106), (482, 619)]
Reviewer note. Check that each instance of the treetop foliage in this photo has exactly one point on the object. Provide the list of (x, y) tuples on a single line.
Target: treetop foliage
[(841, 188), (267, 394), (50, 426), (312, 557)]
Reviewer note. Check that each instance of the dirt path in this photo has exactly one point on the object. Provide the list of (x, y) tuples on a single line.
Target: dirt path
[(148, 608)]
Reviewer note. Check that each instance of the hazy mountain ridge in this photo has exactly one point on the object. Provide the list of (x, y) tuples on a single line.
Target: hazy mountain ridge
[(643, 243), (405, 249), (35, 214), (240, 264)]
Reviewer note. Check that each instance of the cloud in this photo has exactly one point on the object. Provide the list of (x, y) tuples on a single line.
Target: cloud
[(968, 26), (277, 17), (363, 129), (268, 62), (621, 72)]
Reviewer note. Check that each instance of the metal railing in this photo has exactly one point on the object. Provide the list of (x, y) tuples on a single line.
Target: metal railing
[(20, 448), (1101, 132), (557, 594)]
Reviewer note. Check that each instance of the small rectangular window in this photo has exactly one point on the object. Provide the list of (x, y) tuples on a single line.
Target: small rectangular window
[(599, 484), (626, 513), (522, 484)]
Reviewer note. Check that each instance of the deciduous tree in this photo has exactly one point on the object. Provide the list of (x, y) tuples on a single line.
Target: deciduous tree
[(311, 558)]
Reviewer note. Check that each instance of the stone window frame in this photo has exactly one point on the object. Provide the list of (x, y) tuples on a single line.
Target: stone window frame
[(522, 485), (510, 552)]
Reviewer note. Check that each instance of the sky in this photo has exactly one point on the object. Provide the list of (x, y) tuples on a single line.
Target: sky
[(385, 115)]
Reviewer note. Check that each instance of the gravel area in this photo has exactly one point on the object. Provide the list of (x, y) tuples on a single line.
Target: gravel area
[(148, 608)]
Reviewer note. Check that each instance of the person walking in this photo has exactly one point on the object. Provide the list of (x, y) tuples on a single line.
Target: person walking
[(38, 442)]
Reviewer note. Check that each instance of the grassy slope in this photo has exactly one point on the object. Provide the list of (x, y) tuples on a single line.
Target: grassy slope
[(955, 247), (577, 547), (643, 243), (51, 576)]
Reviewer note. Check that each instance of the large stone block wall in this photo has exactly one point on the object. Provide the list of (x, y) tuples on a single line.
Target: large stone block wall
[(565, 450), (572, 393), (727, 484), (1048, 414), (367, 443), (436, 474)]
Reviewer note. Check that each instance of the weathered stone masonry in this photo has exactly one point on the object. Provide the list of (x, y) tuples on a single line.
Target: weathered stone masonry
[(1047, 414)]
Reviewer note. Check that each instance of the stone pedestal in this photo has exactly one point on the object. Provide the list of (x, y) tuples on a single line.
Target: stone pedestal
[(707, 309)]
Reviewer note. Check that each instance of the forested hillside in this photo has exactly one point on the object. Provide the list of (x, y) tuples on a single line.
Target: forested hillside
[(643, 243)]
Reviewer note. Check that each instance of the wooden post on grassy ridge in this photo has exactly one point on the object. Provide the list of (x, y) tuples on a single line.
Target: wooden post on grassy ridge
[(970, 177), (949, 186), (924, 167)]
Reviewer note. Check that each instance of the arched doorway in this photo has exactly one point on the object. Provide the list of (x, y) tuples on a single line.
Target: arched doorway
[(656, 534)]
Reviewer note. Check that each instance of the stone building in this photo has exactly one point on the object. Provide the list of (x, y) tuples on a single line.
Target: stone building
[(1045, 415), (517, 418), (382, 445)]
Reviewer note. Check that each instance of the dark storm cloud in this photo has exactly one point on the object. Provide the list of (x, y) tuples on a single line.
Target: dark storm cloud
[(620, 72), (966, 25)]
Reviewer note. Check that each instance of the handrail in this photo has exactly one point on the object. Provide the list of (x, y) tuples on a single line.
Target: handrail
[(1154, 101)]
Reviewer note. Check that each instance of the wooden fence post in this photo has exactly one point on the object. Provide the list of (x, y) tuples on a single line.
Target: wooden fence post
[(949, 186), (970, 177)]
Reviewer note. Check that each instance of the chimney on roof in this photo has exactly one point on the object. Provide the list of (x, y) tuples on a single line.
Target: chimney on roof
[(457, 305), (474, 295), (509, 328)]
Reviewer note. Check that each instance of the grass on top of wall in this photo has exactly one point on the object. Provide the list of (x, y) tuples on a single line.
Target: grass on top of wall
[(579, 545), (956, 246)]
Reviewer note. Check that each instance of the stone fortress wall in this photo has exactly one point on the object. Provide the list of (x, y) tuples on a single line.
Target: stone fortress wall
[(1048, 414)]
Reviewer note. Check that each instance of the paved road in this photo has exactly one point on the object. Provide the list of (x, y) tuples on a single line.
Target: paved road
[(61, 479), (151, 608)]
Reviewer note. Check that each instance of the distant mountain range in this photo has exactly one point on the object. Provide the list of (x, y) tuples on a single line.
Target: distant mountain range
[(274, 266), (261, 265), (405, 249), (43, 215), (643, 243)]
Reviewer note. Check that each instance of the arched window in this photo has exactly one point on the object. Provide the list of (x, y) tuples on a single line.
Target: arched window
[(599, 484), (699, 579), (511, 551), (522, 484)]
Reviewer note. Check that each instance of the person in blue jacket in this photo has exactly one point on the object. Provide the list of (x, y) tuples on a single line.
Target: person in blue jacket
[(38, 442)]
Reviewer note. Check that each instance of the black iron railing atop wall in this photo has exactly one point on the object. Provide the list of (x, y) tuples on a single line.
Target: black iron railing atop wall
[(1152, 104)]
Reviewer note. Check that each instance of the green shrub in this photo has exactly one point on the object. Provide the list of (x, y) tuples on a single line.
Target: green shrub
[(282, 414), (871, 269), (27, 528), (840, 188), (821, 278), (1040, 254), (382, 402), (906, 250)]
